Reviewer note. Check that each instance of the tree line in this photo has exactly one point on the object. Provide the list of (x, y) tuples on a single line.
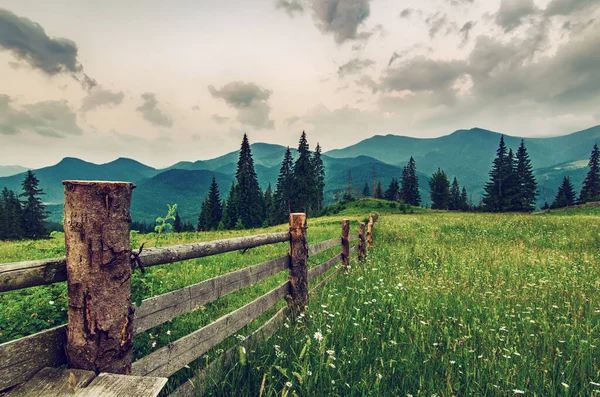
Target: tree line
[(26, 218), (299, 188), (590, 189)]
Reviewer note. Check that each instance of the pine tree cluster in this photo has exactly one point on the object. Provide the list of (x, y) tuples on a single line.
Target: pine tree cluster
[(299, 188), (445, 196), (23, 218), (512, 186)]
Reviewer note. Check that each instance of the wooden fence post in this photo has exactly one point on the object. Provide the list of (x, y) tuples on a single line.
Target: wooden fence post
[(370, 231), (298, 300), (345, 243), (100, 328), (361, 243)]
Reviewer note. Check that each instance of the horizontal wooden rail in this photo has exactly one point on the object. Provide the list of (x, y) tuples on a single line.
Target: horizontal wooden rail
[(323, 245), (176, 355), (48, 271), (20, 359), (353, 238), (165, 307), (198, 385), (322, 268)]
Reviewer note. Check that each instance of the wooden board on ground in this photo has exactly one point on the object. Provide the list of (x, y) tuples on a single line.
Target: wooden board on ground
[(113, 385), (54, 382)]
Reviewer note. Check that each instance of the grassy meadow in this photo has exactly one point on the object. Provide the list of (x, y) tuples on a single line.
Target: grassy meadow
[(446, 304)]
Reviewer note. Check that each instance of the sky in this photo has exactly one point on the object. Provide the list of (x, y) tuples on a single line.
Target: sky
[(183, 80)]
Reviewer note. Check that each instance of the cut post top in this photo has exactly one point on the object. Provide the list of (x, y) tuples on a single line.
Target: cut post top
[(98, 183), (298, 220)]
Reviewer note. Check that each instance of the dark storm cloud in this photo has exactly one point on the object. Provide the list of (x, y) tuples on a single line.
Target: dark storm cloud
[(354, 66), (512, 13), (28, 42), (407, 12), (47, 118), (152, 113), (290, 6), (98, 97), (249, 99), (341, 18)]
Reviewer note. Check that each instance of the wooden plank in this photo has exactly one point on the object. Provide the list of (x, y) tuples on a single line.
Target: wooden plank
[(353, 238), (113, 385), (20, 359), (165, 307), (54, 382), (322, 268), (326, 280), (48, 271), (322, 246), (171, 358), (31, 273), (215, 370)]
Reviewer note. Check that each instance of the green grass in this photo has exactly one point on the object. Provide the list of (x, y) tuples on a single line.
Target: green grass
[(447, 303)]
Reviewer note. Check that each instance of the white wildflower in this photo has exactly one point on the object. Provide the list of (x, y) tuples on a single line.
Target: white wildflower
[(288, 384), (51, 302), (318, 336)]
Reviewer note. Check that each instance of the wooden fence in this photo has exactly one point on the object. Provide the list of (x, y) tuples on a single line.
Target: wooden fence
[(102, 318)]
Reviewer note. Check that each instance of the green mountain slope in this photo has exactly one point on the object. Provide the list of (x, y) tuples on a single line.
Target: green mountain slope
[(8, 170)]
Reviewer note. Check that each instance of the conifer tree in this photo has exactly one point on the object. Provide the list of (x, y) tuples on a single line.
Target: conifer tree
[(590, 191), (526, 190), (348, 196), (230, 212), (439, 187), (366, 193), (177, 225), (250, 206), (304, 178), (393, 191), (496, 197), (319, 178), (203, 217), (3, 221), (565, 196), (284, 189), (213, 208), (464, 200), (455, 202), (34, 212), (409, 191), (379, 191), (13, 214)]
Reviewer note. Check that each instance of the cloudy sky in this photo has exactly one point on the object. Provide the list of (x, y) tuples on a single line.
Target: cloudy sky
[(166, 81)]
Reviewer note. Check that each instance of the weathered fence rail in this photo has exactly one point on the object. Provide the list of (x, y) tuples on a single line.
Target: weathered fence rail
[(93, 249)]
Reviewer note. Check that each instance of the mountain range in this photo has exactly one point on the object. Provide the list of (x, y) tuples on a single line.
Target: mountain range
[(466, 154)]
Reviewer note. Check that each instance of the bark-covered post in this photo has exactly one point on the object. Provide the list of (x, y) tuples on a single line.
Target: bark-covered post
[(100, 328), (345, 242), (362, 253), (370, 231), (298, 299)]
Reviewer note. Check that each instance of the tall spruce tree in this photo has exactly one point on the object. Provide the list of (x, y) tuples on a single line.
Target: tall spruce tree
[(304, 177), (439, 187), (3, 221), (455, 203), (284, 189), (409, 191), (213, 208), (366, 193), (565, 196), (250, 206), (590, 191), (511, 187), (34, 213), (393, 191), (379, 191), (230, 212), (526, 185), (177, 224), (13, 215), (497, 191), (464, 200), (319, 178)]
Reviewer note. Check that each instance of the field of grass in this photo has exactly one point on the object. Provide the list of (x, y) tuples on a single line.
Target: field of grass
[(446, 304)]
